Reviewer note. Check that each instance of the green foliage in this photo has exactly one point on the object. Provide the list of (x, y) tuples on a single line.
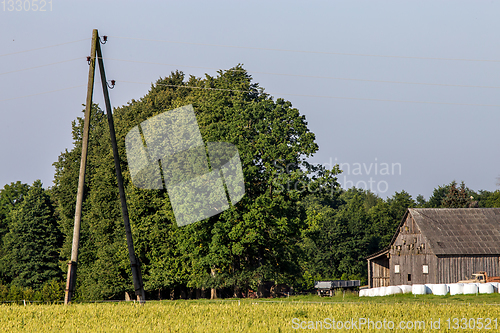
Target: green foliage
[(30, 248), (10, 196), (439, 193), (457, 197), (399, 203), (421, 202), (51, 291), (342, 232), (488, 199), (451, 196), (254, 241)]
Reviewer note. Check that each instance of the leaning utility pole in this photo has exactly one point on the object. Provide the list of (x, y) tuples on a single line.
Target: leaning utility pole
[(136, 272), (70, 282)]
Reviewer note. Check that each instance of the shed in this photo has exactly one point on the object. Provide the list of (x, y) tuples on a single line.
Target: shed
[(439, 245)]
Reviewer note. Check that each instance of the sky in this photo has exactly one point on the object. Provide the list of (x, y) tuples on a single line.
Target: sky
[(404, 95)]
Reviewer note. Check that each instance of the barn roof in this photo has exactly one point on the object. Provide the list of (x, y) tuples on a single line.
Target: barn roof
[(459, 231)]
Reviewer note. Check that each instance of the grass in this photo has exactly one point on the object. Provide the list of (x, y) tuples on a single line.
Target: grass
[(263, 315), (406, 298)]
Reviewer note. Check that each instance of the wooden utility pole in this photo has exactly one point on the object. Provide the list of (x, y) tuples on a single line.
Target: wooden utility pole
[(136, 272), (70, 282)]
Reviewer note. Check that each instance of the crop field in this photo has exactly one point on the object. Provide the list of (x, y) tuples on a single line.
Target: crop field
[(406, 313)]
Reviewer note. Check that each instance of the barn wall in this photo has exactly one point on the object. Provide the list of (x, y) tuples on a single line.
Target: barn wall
[(411, 252), (455, 268), (379, 272)]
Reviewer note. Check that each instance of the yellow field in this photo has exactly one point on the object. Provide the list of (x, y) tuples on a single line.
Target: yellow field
[(249, 316)]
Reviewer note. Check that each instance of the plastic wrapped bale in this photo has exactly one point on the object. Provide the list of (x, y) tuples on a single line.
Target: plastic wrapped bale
[(382, 291), (405, 288), (430, 287), (373, 292), (440, 289), (393, 290), (362, 292), (470, 288), (419, 289), (495, 286), (486, 288), (456, 288)]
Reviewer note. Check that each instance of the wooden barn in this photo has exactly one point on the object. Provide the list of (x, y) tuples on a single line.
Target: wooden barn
[(439, 245)]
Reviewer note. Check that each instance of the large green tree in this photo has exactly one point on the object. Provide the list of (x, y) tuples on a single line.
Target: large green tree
[(31, 247), (254, 241)]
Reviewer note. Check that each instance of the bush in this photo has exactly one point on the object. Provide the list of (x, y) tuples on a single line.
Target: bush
[(51, 291)]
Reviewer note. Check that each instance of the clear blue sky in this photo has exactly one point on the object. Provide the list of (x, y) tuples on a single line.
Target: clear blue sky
[(422, 93)]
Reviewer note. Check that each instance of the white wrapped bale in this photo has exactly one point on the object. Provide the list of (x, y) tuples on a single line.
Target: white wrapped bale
[(486, 288), (405, 288), (382, 291), (456, 288), (470, 288), (495, 286), (419, 289), (429, 287), (362, 293), (393, 290), (440, 289)]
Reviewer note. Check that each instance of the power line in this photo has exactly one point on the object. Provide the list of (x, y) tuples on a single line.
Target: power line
[(314, 76), (307, 51), (44, 47), (316, 96), (42, 93), (54, 63)]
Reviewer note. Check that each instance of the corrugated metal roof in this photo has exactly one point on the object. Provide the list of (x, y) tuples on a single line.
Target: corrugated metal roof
[(460, 231)]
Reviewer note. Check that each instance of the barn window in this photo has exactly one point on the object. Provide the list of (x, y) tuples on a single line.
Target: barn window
[(396, 268), (425, 269), (409, 277)]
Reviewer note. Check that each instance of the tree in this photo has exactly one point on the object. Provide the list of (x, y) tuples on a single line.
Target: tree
[(31, 247), (421, 202), (254, 241), (383, 225), (457, 197), (342, 232), (399, 204), (436, 199), (488, 199), (10, 196), (318, 239)]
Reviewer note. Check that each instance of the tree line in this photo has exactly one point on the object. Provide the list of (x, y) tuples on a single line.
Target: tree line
[(277, 234)]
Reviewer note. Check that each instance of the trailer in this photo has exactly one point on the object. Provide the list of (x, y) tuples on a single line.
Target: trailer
[(329, 287)]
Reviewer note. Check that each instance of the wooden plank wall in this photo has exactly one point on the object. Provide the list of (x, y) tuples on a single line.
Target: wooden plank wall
[(411, 252), (380, 274), (455, 268)]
